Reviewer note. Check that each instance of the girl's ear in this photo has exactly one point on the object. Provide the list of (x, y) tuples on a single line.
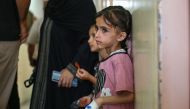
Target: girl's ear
[(122, 36)]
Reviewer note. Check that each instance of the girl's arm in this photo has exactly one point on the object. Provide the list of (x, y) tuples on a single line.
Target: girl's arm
[(85, 75), (121, 98)]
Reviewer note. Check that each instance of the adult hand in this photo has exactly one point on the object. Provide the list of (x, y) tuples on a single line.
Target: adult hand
[(65, 78), (23, 31)]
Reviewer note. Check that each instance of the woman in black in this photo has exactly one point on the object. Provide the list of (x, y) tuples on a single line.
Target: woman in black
[(63, 42)]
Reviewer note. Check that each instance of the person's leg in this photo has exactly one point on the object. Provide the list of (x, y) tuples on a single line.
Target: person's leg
[(8, 68), (14, 101)]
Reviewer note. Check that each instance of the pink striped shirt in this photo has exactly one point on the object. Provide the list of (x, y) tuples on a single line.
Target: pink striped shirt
[(119, 77)]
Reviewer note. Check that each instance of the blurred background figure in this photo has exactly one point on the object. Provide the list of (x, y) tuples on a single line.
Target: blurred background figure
[(14, 100), (33, 44), (13, 31), (34, 37)]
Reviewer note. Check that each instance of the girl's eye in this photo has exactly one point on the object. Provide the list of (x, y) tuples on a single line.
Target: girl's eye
[(96, 28), (104, 30)]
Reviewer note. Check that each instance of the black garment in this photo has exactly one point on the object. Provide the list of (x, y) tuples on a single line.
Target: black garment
[(61, 98), (9, 21), (63, 41), (73, 14)]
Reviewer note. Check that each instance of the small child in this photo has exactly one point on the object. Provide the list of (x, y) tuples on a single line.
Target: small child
[(82, 73), (113, 26)]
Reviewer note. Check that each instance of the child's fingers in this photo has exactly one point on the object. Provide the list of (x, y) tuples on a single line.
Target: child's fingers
[(83, 102), (80, 72), (78, 75), (77, 65)]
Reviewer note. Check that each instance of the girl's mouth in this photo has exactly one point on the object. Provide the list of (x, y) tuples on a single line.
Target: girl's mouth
[(98, 42)]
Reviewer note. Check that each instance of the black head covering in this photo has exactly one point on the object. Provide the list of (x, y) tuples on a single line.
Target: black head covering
[(73, 14)]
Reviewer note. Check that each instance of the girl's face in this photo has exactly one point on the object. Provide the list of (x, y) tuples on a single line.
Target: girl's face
[(106, 35), (91, 41)]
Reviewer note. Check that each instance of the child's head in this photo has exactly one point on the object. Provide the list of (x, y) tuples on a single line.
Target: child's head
[(113, 26), (91, 41), (93, 45)]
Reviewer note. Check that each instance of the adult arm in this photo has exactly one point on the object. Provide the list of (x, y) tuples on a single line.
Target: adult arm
[(23, 6)]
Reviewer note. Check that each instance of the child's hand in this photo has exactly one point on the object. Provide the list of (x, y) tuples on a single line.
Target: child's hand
[(83, 74), (92, 105), (84, 101), (77, 65)]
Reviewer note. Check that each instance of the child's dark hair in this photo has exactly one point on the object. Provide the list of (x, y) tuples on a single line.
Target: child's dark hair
[(120, 18)]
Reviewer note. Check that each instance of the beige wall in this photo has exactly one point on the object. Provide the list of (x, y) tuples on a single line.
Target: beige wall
[(145, 46)]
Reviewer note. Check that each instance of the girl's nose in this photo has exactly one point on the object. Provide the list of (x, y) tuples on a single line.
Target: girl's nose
[(89, 40), (97, 34)]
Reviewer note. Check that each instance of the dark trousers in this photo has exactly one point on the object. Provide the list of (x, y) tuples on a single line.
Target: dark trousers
[(14, 101)]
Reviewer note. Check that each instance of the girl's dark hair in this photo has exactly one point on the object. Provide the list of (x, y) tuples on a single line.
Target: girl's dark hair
[(120, 18)]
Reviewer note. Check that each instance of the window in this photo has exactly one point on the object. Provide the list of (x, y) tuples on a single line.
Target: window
[(124, 3)]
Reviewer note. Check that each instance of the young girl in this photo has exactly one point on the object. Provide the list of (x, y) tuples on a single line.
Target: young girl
[(82, 73), (113, 26)]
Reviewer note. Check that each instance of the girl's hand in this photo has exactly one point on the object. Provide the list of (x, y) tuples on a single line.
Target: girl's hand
[(93, 105), (83, 74)]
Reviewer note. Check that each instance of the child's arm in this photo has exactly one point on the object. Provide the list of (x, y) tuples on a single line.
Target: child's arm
[(121, 98), (85, 75)]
